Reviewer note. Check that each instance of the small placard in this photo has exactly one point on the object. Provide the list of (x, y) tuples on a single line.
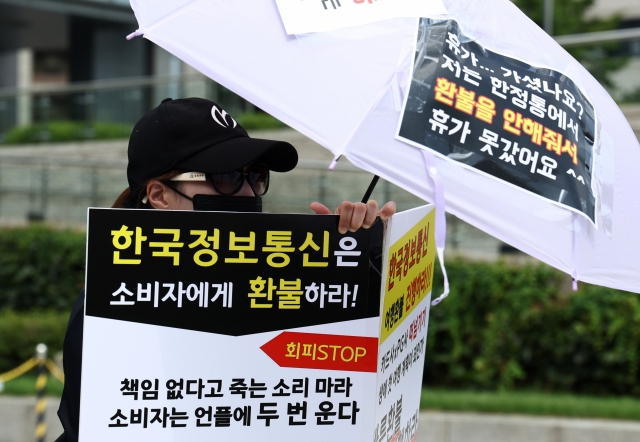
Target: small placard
[(307, 16)]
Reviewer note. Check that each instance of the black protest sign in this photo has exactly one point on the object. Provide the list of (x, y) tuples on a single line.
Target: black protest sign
[(528, 126), (229, 273)]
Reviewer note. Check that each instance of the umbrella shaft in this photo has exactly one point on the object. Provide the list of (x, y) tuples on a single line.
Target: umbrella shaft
[(369, 191)]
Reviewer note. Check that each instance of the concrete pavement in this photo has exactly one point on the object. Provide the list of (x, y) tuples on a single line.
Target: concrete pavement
[(18, 419), (17, 424), (479, 427)]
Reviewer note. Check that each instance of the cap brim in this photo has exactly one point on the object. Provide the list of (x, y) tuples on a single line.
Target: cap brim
[(237, 153)]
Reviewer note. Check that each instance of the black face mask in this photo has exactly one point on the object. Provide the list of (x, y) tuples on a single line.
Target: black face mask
[(226, 203)]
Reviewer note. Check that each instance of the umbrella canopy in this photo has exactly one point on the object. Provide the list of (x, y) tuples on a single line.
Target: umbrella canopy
[(347, 88)]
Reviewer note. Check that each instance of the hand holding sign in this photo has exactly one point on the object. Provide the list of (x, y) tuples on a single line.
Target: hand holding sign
[(356, 215)]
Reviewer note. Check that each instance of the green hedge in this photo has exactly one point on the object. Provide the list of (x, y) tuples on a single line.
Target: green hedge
[(259, 121), (40, 268), (506, 327), (21, 332), (502, 327), (64, 130)]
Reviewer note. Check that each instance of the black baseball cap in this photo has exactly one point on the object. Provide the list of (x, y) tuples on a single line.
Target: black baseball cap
[(197, 135)]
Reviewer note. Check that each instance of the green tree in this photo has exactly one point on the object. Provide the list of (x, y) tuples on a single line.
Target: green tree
[(569, 17)]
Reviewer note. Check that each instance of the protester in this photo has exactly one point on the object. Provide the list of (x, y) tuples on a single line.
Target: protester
[(189, 154)]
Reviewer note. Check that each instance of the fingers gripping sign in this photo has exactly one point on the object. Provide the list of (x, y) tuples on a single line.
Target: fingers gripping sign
[(356, 215)]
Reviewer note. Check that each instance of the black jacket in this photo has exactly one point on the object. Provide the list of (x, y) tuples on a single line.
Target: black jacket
[(69, 411)]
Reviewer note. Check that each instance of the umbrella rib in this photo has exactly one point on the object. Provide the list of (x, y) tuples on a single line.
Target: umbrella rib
[(165, 18)]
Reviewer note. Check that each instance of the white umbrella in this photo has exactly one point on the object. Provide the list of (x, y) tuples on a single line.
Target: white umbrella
[(345, 86)]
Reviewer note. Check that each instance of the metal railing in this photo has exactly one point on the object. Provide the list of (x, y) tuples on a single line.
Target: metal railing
[(59, 190), (598, 37)]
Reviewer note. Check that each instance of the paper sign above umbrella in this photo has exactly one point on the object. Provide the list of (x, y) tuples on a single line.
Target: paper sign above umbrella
[(302, 17)]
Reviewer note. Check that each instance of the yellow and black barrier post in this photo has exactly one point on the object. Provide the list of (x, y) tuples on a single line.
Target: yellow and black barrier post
[(44, 365), (41, 385)]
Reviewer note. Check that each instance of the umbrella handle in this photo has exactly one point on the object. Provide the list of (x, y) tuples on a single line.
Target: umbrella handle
[(369, 191)]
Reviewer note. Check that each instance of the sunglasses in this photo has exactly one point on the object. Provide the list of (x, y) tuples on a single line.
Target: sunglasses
[(230, 183)]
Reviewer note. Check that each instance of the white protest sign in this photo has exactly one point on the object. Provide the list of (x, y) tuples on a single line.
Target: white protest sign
[(204, 325), (306, 16), (409, 257)]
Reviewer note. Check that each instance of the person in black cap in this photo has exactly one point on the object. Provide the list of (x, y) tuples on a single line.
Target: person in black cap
[(190, 154), (196, 135)]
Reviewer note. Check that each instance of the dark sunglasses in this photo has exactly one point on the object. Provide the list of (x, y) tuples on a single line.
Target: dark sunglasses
[(230, 183)]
